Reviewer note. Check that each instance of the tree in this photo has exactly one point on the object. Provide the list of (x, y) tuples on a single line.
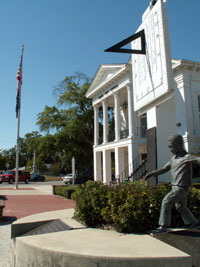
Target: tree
[(44, 147), (32, 141), (47, 150), (73, 126), (3, 160), (24, 156), (10, 155)]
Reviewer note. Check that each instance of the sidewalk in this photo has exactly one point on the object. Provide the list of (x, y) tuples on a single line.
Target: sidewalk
[(31, 200), (21, 203)]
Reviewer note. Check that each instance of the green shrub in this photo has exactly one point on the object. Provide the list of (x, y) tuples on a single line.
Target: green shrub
[(135, 207), (194, 202), (90, 198), (65, 191), (196, 185), (130, 207)]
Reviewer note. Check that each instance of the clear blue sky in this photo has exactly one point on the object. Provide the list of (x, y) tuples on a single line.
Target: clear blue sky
[(61, 37)]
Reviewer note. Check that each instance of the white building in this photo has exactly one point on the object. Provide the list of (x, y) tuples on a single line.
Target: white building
[(115, 152), (150, 98), (177, 111)]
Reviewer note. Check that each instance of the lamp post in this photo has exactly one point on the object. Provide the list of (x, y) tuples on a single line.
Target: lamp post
[(73, 170)]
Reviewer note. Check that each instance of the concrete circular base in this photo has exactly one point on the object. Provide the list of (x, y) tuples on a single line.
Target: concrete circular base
[(86, 247)]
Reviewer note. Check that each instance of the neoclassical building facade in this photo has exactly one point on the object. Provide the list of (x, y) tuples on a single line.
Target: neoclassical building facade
[(116, 152), (121, 133), (138, 105)]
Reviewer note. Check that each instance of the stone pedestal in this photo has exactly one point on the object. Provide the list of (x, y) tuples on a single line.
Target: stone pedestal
[(187, 241)]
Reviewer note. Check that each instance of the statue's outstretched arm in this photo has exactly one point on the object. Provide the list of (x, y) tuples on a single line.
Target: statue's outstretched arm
[(157, 172)]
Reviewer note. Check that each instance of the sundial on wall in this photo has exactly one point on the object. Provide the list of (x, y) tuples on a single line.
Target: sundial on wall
[(151, 58)]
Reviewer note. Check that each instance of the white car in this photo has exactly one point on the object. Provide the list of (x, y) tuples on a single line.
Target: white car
[(67, 179)]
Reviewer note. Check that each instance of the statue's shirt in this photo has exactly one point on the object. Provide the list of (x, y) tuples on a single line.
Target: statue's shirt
[(181, 169)]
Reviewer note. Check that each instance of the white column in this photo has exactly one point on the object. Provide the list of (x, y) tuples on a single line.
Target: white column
[(130, 110), (151, 118), (97, 166), (119, 161), (105, 121), (180, 109), (130, 158), (106, 166), (96, 125), (133, 155), (117, 116)]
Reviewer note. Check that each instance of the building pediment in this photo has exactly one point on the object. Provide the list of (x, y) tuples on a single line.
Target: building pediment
[(106, 75), (182, 64)]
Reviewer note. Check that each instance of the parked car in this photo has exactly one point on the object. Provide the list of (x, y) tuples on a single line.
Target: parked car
[(67, 179), (35, 177), (9, 176)]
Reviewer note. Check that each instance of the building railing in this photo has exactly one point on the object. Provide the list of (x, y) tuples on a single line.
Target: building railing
[(100, 140), (124, 133), (139, 171), (111, 137), (139, 132)]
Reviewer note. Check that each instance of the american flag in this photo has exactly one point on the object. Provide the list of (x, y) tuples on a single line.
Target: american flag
[(19, 84)]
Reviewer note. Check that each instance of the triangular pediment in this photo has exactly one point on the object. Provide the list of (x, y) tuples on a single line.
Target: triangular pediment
[(104, 74)]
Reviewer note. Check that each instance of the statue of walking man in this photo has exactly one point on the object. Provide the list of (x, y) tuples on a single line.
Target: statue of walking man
[(181, 179)]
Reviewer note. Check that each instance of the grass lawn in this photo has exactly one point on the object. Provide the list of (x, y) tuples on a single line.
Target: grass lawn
[(49, 178)]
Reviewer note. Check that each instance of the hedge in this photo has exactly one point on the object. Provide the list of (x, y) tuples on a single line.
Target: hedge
[(91, 198), (129, 208), (65, 191)]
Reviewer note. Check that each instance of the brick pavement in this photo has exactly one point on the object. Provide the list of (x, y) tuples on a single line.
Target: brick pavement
[(19, 206)]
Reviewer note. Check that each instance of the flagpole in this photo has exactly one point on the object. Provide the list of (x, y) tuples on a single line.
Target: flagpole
[(17, 151), (18, 123)]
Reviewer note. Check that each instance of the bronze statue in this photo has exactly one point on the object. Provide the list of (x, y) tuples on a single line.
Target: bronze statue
[(181, 180)]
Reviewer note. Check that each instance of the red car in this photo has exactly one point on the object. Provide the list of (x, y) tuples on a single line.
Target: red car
[(9, 176)]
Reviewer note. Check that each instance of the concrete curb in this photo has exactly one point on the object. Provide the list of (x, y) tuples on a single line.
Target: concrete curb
[(86, 247)]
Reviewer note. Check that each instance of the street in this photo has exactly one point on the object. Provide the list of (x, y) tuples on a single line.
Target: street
[(31, 184)]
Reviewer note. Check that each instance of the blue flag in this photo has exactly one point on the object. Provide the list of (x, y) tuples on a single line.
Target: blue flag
[(19, 85)]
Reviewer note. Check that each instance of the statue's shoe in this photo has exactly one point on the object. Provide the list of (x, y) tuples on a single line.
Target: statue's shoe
[(160, 229), (195, 224)]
